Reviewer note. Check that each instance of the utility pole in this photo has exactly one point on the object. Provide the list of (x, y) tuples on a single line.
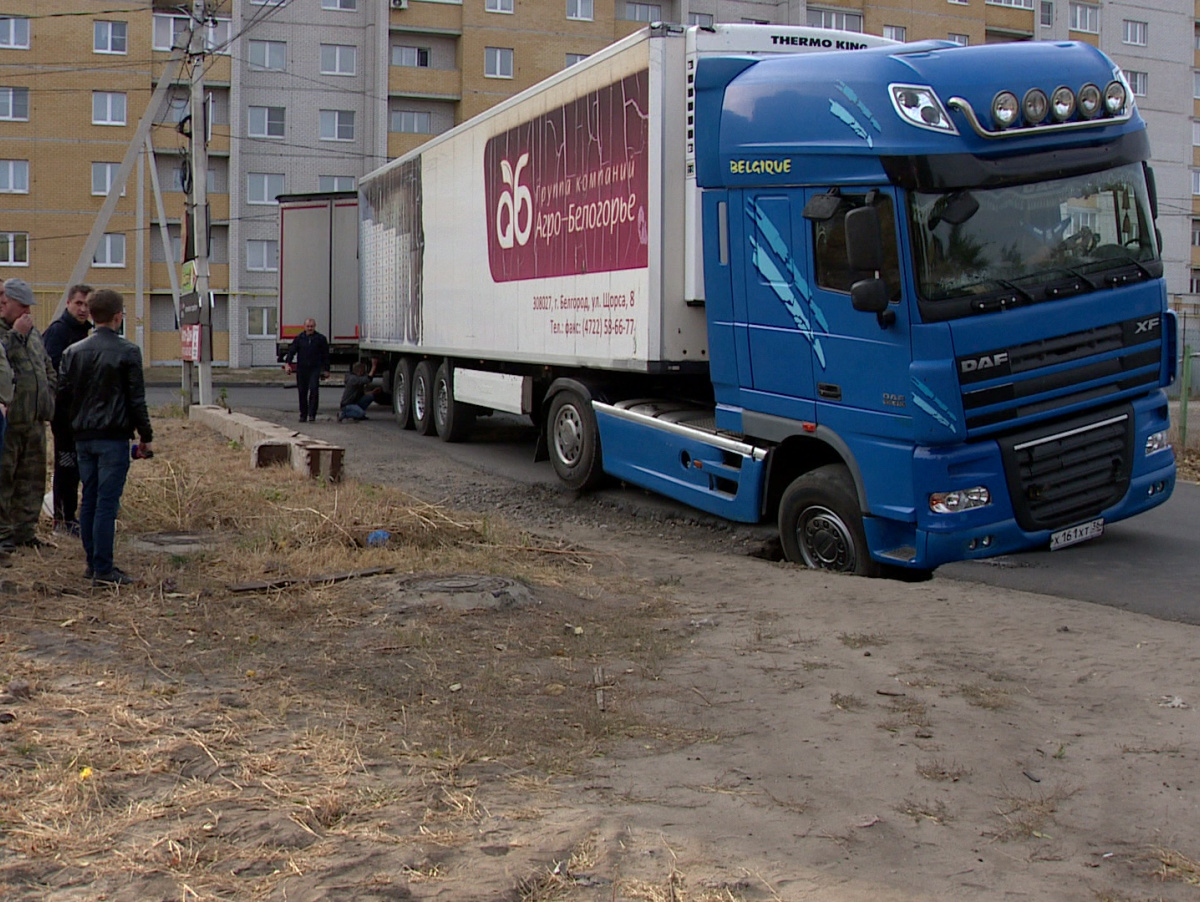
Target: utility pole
[(199, 158)]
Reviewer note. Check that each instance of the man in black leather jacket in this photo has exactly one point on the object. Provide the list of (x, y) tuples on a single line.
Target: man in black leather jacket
[(72, 326), (102, 386)]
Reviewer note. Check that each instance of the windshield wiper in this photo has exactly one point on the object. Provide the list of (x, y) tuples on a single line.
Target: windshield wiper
[(1069, 286)]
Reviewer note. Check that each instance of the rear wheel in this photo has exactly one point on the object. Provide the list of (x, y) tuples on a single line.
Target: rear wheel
[(402, 393), (574, 441), (820, 524), (422, 398), (453, 419)]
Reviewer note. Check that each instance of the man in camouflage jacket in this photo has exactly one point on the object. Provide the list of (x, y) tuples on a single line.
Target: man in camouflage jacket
[(23, 462)]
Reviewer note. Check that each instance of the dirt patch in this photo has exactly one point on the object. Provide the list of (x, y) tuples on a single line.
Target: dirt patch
[(622, 711)]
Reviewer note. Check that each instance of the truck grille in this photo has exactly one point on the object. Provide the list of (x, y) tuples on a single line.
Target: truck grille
[(1071, 472), (1008, 384)]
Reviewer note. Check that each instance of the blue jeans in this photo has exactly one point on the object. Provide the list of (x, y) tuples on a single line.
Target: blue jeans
[(358, 411), (103, 466)]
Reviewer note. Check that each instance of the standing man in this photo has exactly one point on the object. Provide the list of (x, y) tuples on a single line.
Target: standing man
[(103, 389), (6, 393), (311, 352), (69, 328), (23, 463)]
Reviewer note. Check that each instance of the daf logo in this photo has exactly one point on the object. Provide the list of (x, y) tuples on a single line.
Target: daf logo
[(986, 362), (1146, 325)]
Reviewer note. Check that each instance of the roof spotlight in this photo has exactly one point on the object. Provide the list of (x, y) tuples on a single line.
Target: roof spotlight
[(1004, 108), (1114, 97), (1090, 101), (1035, 105), (1062, 103)]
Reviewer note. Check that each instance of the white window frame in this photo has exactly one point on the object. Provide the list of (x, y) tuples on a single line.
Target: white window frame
[(104, 37), (573, 58), (262, 255), (643, 12), (1139, 82), (107, 109), (1196, 85), (217, 33), (13, 34), (334, 123), (1134, 32), (110, 251), (346, 6), (581, 10), (1017, 4), (494, 59), (704, 20), (332, 183), (840, 19), (104, 173), (405, 52), (895, 32), (259, 122), (10, 241), (339, 59), (1196, 133), (412, 118), (499, 6), (959, 2), (962, 40), (1195, 284), (9, 104), (1196, 182), (210, 182), (14, 176), (259, 190), (1084, 17), (270, 312), (1195, 233), (267, 51), (1046, 11)]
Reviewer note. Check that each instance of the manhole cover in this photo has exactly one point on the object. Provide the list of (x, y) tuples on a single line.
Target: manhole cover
[(456, 585), (461, 592)]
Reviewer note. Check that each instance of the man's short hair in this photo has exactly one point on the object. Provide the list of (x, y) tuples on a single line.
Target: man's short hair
[(79, 288), (359, 368), (104, 305)]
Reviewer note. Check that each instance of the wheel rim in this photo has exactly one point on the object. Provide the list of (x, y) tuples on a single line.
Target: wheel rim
[(825, 541), (419, 401), (441, 400), (568, 435), (399, 392)]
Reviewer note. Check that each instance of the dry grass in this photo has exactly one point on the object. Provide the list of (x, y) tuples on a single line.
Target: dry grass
[(862, 640), (934, 811), (938, 770), (906, 712), (987, 697), (846, 702), (1173, 865), (1030, 816)]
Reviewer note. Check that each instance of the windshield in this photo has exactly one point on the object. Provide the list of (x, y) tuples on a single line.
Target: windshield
[(1024, 238)]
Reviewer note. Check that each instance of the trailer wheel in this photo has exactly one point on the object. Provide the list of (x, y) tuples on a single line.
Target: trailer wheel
[(574, 441), (422, 398), (453, 419), (820, 524), (402, 393)]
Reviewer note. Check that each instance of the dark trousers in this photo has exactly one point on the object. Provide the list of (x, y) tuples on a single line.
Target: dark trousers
[(103, 466), (66, 474), (308, 384)]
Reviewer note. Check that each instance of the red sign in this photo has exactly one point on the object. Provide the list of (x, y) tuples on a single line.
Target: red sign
[(566, 192), (189, 340)]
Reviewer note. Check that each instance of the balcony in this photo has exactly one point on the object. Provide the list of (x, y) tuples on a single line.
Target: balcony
[(400, 143), (435, 18), (411, 81)]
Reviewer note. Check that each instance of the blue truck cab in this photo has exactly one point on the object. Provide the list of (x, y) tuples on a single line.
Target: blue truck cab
[(936, 310)]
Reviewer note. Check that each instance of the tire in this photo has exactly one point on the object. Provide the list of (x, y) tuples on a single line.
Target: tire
[(452, 419), (820, 524), (402, 393), (422, 398), (573, 441)]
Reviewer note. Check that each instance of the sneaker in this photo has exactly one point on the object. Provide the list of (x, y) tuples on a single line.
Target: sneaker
[(340, 417), (66, 528), (89, 573), (114, 577), (304, 419)]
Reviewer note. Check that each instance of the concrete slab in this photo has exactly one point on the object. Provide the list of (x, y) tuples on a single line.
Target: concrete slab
[(270, 443)]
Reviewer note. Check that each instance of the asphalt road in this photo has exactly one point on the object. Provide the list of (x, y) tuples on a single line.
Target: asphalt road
[(1148, 564)]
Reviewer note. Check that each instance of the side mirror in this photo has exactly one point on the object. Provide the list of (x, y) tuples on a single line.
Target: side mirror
[(864, 242), (1152, 191), (871, 296)]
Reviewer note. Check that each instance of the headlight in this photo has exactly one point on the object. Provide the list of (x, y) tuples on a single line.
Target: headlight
[(1035, 105), (959, 501), (1062, 103), (1004, 108), (1114, 98), (919, 105), (1089, 101), (1156, 442)]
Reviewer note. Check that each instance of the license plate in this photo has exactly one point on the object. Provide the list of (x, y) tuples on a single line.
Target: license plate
[(1073, 535)]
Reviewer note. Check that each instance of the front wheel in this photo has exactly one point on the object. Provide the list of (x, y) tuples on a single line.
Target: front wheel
[(574, 441), (402, 393), (422, 399), (820, 524)]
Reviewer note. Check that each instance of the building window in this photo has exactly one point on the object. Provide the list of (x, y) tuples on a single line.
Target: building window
[(14, 248), (961, 39), (579, 9), (411, 122), (1134, 33), (412, 57), (751, 21), (270, 55), (834, 18), (1196, 233), (1018, 4), (704, 20), (14, 32), (267, 121), (1196, 134), (14, 176), (958, 2), (110, 252), (261, 322), (335, 183), (1084, 17), (177, 180), (108, 108), (14, 104), (338, 59), (262, 255), (347, 5), (1047, 13), (1195, 91), (498, 62), (1137, 82), (172, 31), (109, 37), (1196, 181), (337, 125), (643, 12), (263, 187), (103, 175), (498, 6), (573, 58), (895, 32)]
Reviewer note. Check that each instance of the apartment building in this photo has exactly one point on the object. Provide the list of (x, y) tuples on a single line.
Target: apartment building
[(308, 95)]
